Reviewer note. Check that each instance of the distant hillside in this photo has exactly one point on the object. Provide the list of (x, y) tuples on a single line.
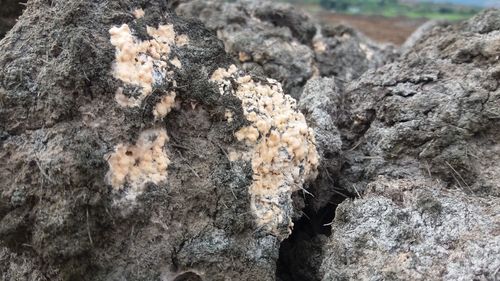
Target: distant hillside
[(430, 9), (477, 3)]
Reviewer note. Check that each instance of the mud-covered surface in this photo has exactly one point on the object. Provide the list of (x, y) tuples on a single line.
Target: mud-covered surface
[(284, 43), (433, 113)]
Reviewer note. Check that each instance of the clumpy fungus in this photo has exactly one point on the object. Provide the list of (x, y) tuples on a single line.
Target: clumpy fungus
[(143, 65), (279, 144), (137, 164)]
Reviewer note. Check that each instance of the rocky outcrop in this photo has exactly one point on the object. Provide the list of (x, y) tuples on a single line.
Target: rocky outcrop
[(279, 41), (131, 149)]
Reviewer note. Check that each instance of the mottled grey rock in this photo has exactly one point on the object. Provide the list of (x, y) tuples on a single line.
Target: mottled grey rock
[(432, 113), (320, 102), (345, 53), (414, 230), (421, 151)]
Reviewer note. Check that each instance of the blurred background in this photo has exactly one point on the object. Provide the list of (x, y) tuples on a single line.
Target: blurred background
[(391, 20)]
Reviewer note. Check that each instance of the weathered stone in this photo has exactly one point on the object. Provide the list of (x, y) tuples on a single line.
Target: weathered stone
[(117, 145)]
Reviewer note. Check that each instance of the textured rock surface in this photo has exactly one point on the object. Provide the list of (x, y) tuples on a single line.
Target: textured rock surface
[(320, 103), (132, 149), (284, 43), (414, 230), (85, 140), (420, 145), (432, 113)]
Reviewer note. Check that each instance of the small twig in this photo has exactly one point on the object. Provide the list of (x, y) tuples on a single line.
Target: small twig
[(459, 176), (371, 157), (333, 182), (180, 146), (305, 215), (306, 192), (357, 144), (495, 273), (357, 192), (88, 229), (223, 151), (43, 172), (132, 231), (328, 224), (189, 166), (428, 168)]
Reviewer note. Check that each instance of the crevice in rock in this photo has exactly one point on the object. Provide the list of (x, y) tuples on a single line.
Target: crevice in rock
[(9, 12), (301, 254)]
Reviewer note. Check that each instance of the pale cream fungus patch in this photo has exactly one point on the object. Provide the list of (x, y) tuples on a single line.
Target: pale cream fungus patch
[(283, 149), (143, 63), (137, 164), (165, 105), (138, 13)]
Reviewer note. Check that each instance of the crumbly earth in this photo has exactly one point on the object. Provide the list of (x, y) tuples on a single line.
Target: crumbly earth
[(114, 150)]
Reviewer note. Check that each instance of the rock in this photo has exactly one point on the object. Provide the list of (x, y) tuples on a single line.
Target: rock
[(320, 102), (405, 229), (131, 150), (346, 54), (420, 33), (433, 113), (421, 142), (284, 43)]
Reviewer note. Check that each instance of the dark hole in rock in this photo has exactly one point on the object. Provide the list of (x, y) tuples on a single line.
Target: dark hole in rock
[(10, 10), (188, 276), (300, 254)]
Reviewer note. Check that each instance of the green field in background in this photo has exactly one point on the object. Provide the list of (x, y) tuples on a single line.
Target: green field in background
[(393, 8)]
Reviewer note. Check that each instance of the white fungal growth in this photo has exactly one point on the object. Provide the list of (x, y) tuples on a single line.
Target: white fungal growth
[(143, 63), (165, 105), (176, 62), (283, 150), (228, 114), (138, 13), (137, 164)]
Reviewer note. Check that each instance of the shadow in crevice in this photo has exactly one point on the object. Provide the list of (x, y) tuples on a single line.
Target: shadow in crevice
[(301, 253), (10, 10)]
